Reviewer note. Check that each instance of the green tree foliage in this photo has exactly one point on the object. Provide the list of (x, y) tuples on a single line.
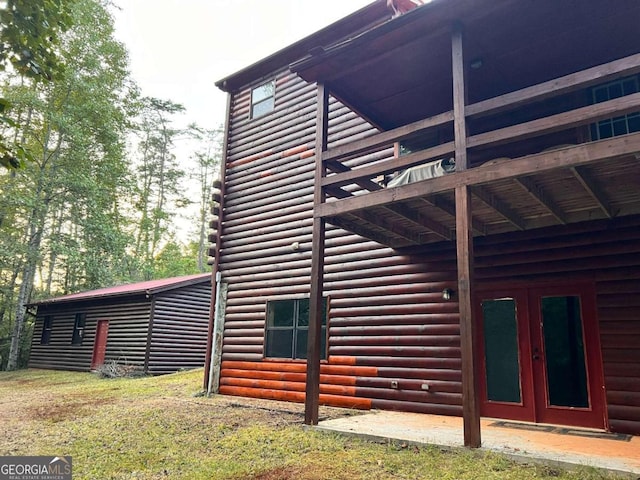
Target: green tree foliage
[(88, 210), (175, 260), (61, 212), (205, 171), (30, 33), (159, 177)]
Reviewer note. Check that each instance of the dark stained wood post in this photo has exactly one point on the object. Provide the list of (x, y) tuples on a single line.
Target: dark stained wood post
[(316, 310), (464, 243)]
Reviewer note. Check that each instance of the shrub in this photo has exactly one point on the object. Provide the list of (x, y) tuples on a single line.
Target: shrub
[(116, 369)]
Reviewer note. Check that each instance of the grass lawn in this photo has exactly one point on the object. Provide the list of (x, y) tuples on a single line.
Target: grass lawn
[(155, 428)]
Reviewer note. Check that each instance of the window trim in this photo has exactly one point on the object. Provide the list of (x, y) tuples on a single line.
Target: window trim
[(47, 327), (324, 355), (269, 98), (595, 131), (79, 328)]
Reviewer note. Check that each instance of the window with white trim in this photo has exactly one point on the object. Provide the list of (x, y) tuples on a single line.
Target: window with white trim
[(287, 329), (613, 127), (263, 99)]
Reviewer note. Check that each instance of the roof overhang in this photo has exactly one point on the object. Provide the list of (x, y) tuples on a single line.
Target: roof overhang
[(358, 21), (147, 288), (400, 71)]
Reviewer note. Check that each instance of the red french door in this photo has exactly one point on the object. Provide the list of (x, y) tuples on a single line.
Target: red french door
[(100, 344), (540, 355)]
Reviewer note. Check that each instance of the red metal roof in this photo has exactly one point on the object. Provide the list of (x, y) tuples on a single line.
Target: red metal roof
[(149, 287)]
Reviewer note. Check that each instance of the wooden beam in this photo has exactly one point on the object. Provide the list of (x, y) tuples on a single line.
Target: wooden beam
[(387, 166), (558, 86), (364, 232), (498, 205), (561, 121), (465, 257), (459, 99), (316, 308), (583, 154), (596, 192), (538, 195), (385, 139), (336, 166), (581, 116), (479, 227), (464, 245), (421, 220), (389, 225), (337, 192)]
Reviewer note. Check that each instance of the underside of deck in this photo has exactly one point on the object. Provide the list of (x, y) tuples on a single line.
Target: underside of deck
[(502, 201)]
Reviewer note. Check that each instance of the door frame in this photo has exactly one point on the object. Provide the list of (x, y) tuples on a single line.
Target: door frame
[(100, 343), (534, 405), (525, 410)]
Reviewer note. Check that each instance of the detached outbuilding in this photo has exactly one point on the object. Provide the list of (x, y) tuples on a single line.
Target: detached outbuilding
[(159, 325)]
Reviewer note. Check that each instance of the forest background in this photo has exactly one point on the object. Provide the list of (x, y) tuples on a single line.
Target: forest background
[(90, 177)]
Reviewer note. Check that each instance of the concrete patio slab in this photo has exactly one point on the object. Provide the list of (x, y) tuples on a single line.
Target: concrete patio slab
[(521, 441)]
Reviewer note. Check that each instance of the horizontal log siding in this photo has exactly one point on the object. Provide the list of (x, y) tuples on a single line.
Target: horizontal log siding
[(179, 329), (607, 254), (390, 332), (126, 341)]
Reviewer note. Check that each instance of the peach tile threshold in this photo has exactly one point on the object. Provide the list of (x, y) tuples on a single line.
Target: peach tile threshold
[(616, 455)]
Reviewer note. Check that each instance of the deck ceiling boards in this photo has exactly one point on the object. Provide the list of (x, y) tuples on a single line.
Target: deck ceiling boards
[(507, 205), (409, 56)]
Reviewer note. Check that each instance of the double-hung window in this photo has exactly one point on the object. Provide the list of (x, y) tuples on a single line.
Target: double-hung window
[(287, 329), (263, 99), (47, 326), (78, 329), (612, 127)]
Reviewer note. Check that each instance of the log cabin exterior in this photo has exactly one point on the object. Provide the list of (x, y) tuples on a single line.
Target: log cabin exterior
[(158, 325), (508, 288)]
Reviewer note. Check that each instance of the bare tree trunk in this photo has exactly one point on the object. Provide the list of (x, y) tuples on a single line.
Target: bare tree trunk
[(56, 229), (24, 293), (35, 229)]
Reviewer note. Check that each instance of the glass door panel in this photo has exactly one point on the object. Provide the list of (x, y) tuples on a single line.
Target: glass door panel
[(505, 382), (564, 352), (540, 356), (502, 364), (567, 364)]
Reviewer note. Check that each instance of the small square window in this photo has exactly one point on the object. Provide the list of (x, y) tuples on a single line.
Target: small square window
[(78, 329), (287, 329), (263, 99), (47, 326)]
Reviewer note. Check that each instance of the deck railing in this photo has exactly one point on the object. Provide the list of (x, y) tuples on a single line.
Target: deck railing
[(342, 175)]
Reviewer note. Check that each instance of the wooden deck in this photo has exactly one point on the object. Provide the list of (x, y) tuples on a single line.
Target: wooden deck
[(596, 180), (578, 180)]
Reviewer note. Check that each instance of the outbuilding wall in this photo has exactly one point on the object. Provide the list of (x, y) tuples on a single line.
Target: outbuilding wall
[(127, 340), (179, 329)]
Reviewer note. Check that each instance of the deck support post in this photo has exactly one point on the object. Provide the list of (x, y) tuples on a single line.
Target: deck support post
[(464, 247), (316, 307), (464, 241)]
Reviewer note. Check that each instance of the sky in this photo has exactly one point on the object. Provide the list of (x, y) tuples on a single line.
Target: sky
[(178, 49)]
